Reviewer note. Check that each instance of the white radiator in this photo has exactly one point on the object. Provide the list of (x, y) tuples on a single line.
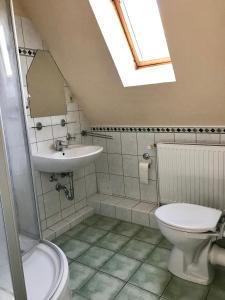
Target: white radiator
[(192, 174)]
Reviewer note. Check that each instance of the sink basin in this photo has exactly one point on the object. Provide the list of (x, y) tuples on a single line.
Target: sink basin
[(73, 157)]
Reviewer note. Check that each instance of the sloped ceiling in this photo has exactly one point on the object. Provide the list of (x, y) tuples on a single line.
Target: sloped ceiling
[(195, 33)]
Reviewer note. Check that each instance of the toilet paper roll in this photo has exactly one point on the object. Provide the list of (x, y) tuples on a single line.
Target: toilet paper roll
[(143, 171)]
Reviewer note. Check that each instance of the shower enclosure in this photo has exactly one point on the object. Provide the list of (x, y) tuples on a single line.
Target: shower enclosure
[(19, 226)]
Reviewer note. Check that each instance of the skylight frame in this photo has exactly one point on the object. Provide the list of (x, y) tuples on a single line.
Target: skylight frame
[(139, 63)]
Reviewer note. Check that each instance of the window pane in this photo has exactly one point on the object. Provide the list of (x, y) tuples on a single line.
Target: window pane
[(145, 26)]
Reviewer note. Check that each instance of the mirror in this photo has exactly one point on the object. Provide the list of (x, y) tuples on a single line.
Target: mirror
[(45, 85)]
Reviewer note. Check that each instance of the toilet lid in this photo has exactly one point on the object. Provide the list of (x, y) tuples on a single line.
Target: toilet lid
[(189, 217)]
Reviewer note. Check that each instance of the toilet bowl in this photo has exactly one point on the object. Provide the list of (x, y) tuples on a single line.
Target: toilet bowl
[(192, 229)]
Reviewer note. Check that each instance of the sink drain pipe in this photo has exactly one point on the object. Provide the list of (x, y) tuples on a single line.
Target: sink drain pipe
[(68, 191)]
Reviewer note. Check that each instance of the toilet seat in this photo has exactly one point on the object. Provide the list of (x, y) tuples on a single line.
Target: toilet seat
[(189, 217)]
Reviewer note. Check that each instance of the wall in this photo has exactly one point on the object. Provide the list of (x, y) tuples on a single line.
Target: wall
[(194, 30), (53, 206), (117, 169)]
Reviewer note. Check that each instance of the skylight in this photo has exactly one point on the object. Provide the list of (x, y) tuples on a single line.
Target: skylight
[(133, 32), (143, 28)]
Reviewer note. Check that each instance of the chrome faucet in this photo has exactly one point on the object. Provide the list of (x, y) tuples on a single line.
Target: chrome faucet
[(59, 145)]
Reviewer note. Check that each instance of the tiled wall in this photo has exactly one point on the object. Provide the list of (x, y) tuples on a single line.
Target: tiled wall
[(117, 169), (53, 206)]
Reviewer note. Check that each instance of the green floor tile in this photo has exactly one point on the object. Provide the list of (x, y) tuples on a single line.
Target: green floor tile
[(165, 244), (126, 229), (75, 230), (179, 289), (130, 292), (75, 296), (74, 248), (106, 223), (149, 235), (101, 287), (112, 241), (216, 294), (95, 257), (151, 278), (137, 249), (90, 235), (79, 275), (219, 280), (121, 266), (159, 258), (61, 240), (92, 220)]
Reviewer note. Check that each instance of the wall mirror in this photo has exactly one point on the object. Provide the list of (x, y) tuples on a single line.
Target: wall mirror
[(45, 85)]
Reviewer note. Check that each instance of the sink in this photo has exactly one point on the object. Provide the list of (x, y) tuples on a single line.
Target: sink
[(73, 157)]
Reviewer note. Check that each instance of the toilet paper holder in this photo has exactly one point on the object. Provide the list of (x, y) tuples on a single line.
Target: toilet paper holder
[(146, 156)]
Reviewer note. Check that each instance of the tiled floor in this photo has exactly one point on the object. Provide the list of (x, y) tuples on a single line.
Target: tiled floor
[(110, 259)]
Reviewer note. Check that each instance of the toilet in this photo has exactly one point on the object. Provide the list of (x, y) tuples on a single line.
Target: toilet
[(193, 230)]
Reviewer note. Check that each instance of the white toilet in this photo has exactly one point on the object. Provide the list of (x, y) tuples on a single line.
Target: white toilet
[(192, 229)]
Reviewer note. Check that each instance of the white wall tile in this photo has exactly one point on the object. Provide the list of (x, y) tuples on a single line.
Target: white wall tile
[(108, 210), (114, 145), (145, 140), (80, 204), (141, 218), (73, 128), (123, 209), (72, 106), (51, 203), (80, 191), (41, 207), (72, 116), (23, 64), (104, 184), (149, 191), (205, 138), (56, 120), (222, 139), (117, 185), (89, 169), (129, 143), (100, 142), (185, 138), (54, 219), (91, 184), (68, 211), (44, 134), (130, 165), (101, 164), (87, 140), (59, 131), (115, 164), (47, 185), (132, 189), (45, 145), (37, 183), (164, 138)]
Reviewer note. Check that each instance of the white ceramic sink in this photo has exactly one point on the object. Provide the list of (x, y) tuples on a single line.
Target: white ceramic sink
[(73, 157)]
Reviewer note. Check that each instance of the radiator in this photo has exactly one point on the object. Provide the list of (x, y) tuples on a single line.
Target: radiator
[(192, 174)]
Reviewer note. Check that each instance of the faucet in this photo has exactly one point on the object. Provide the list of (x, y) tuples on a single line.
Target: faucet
[(59, 145)]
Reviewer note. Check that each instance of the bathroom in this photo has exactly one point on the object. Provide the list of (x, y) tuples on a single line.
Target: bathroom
[(112, 150)]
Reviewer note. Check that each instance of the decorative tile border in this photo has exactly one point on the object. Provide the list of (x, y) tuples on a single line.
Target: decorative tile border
[(211, 130), (27, 52)]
